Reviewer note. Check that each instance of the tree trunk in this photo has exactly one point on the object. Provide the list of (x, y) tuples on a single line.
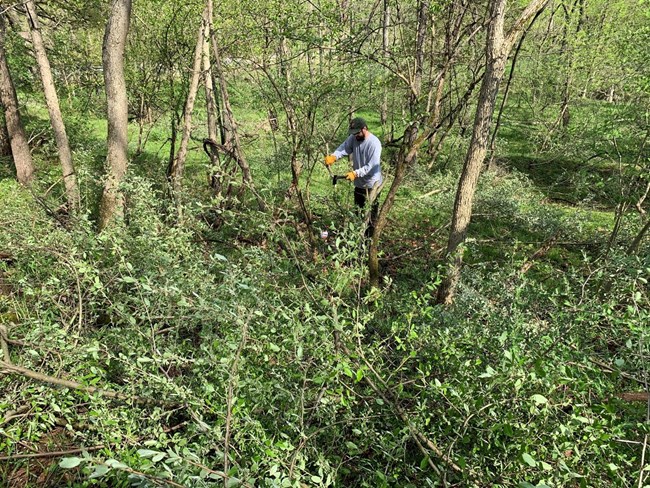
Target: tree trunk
[(52, 102), (383, 114), (634, 247), (404, 161), (408, 151), (490, 165), (232, 136), (19, 146), (175, 172), (412, 140), (497, 49), (211, 106), (117, 28), (5, 143)]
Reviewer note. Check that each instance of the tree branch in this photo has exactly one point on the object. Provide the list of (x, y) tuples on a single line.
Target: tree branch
[(6, 367)]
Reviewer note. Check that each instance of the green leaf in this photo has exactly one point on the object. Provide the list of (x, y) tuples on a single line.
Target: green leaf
[(539, 399), (489, 373), (352, 446), (529, 460), (147, 453), (233, 483), (158, 457), (68, 463), (100, 470), (115, 464)]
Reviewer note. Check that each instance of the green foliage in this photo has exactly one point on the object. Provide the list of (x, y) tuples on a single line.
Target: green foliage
[(247, 350), (283, 353)]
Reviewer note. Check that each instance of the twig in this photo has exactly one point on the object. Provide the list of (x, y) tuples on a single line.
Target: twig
[(541, 252), (433, 192), (12, 414), (634, 396), (231, 386), (625, 441), (607, 368), (645, 446), (52, 453), (645, 438), (3, 343), (6, 367)]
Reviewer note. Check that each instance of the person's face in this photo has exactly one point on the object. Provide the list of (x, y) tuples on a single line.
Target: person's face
[(361, 135)]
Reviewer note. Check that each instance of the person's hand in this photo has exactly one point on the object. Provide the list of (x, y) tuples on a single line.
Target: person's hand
[(350, 176), (330, 159)]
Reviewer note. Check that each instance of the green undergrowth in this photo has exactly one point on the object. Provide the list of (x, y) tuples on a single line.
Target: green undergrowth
[(245, 352)]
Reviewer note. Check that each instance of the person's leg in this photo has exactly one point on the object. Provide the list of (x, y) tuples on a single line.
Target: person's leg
[(360, 197), (374, 211)]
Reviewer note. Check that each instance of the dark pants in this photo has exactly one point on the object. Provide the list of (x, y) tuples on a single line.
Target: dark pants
[(360, 197)]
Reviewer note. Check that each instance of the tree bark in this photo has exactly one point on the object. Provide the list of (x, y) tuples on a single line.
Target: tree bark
[(19, 147), (177, 168), (210, 103), (383, 114), (490, 165), (53, 108), (5, 143), (232, 136), (498, 47), (634, 247), (413, 139), (117, 28)]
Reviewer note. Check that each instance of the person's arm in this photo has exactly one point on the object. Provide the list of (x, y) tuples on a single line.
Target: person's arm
[(373, 156), (343, 150)]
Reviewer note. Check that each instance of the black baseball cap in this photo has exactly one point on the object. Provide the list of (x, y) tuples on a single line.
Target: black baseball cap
[(356, 125)]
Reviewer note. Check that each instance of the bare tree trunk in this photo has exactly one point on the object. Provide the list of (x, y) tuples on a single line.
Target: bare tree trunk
[(211, 106), (117, 28), (141, 122), (408, 145), (5, 143), (177, 168), (232, 136), (498, 47), (383, 114), (414, 139), (634, 247), (207, 73), (19, 146), (490, 165), (52, 102)]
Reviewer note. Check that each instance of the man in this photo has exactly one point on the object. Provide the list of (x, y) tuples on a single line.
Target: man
[(364, 150)]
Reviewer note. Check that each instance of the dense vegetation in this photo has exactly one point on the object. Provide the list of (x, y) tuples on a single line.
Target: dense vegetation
[(208, 335)]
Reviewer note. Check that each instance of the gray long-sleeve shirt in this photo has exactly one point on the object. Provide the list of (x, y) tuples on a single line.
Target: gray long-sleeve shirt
[(365, 157)]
